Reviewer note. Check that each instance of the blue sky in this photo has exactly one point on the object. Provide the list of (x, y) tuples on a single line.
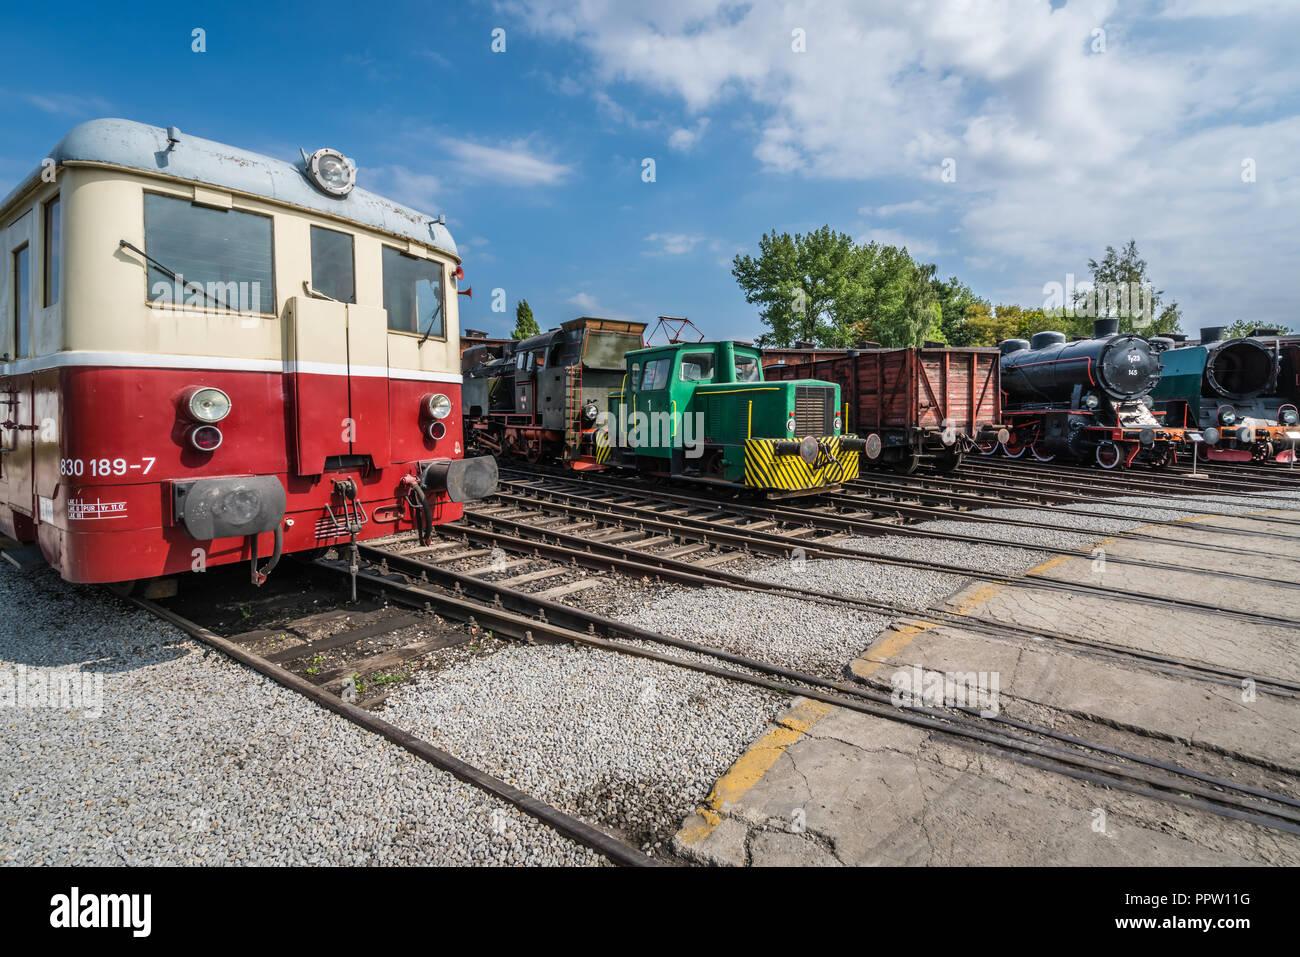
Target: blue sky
[(1063, 139)]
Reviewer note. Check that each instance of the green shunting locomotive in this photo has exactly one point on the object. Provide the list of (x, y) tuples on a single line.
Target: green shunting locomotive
[(703, 412)]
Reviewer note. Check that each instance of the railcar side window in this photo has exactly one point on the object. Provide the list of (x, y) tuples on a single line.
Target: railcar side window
[(223, 256), (332, 271), (656, 374), (22, 300), (53, 250), (697, 367), (413, 294)]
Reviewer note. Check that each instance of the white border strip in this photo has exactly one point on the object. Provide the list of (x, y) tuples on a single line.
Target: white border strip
[(62, 360)]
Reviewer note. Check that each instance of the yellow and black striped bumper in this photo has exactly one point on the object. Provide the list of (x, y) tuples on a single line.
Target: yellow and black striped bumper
[(765, 469)]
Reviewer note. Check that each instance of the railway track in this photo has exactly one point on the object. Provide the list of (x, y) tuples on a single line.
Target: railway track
[(416, 582), (335, 697), (1210, 477), (1073, 479)]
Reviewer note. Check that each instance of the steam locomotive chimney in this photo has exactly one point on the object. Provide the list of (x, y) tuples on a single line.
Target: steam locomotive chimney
[(1211, 333), (1101, 328)]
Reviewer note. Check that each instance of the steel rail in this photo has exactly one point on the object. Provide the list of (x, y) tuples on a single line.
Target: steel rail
[(611, 847), (1049, 757)]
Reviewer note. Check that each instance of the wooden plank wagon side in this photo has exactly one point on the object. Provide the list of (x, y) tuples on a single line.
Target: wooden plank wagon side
[(926, 406)]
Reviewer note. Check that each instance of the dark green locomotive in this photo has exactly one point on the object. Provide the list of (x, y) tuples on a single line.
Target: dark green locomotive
[(703, 412)]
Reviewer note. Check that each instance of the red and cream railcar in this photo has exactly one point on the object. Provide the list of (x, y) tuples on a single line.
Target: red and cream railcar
[(208, 355)]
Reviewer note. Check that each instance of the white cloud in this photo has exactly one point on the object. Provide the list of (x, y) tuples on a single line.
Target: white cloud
[(1058, 149), (683, 140), (915, 206), (422, 191), (584, 301), (68, 104), (917, 246), (515, 163), (673, 244)]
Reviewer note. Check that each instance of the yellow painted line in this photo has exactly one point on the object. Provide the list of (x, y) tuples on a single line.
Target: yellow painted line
[(752, 765), (890, 645)]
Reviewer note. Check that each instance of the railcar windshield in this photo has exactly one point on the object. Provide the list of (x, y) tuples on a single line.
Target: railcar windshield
[(413, 294), (223, 256), (331, 264)]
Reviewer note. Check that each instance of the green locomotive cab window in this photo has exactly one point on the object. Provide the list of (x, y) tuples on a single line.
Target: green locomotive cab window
[(636, 377), (748, 369), (656, 374), (697, 367)]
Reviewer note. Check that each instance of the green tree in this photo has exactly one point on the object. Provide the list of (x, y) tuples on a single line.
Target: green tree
[(1124, 269), (1242, 327), (954, 298), (525, 324), (917, 316), (808, 287)]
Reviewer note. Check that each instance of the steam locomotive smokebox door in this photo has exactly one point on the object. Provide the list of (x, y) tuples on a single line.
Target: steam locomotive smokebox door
[(229, 507)]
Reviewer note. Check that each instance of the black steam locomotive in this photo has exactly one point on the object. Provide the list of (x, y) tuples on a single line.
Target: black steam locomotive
[(1085, 400)]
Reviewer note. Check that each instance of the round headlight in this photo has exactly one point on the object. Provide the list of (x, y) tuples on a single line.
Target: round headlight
[(1289, 416), (436, 406), (437, 430), (1227, 415), (789, 424), (207, 405), (839, 423), (1091, 401), (205, 438), (589, 413), (332, 172)]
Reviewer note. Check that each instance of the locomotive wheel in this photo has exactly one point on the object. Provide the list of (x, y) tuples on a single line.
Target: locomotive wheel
[(1041, 456), (1012, 449), (947, 460), (908, 464), (1108, 455)]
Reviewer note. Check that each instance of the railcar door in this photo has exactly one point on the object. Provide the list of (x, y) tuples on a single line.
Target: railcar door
[(17, 290), (338, 356)]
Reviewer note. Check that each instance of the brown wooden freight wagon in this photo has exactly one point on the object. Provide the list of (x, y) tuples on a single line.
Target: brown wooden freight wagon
[(927, 406)]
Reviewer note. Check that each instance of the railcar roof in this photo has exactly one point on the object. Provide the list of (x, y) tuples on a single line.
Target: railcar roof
[(142, 147)]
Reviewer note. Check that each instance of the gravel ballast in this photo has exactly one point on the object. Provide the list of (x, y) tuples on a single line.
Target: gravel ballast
[(196, 759), (620, 741)]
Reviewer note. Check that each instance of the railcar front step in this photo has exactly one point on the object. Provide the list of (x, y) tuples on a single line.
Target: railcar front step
[(23, 557)]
